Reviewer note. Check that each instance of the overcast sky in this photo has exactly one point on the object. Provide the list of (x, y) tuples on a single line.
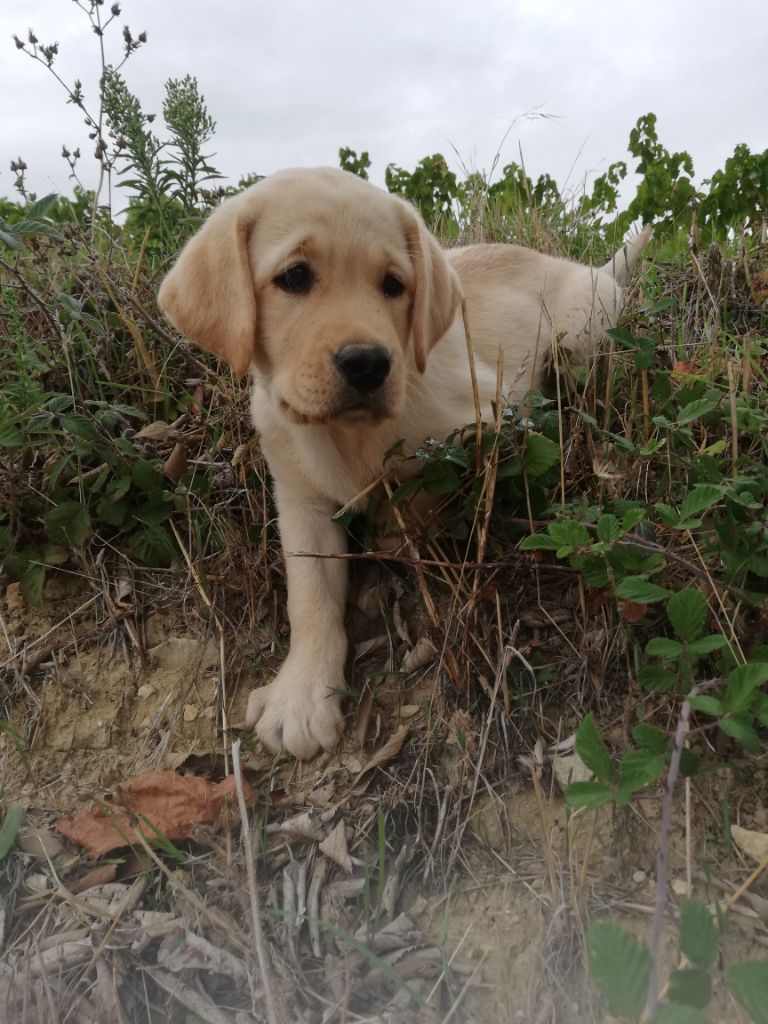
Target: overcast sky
[(289, 83)]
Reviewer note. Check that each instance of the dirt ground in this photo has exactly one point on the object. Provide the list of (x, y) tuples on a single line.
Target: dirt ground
[(490, 882)]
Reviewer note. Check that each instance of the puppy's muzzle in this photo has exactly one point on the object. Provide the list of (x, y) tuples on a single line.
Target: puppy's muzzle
[(363, 366)]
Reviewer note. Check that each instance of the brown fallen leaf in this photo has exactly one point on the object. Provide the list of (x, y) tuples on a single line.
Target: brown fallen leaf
[(632, 611), (334, 846), (171, 804), (14, 598), (100, 875), (157, 431), (390, 749), (175, 466)]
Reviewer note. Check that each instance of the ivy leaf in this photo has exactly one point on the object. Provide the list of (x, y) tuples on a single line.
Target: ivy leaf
[(698, 935), (620, 967), (687, 611), (748, 983), (593, 752)]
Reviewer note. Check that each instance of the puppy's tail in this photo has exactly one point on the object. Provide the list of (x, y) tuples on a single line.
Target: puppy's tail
[(621, 264)]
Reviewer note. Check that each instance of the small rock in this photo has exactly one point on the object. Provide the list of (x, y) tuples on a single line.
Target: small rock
[(569, 769), (190, 712), (144, 691), (638, 877), (680, 887)]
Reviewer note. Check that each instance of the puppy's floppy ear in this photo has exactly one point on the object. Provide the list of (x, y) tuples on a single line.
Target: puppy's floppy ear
[(437, 294), (208, 295)]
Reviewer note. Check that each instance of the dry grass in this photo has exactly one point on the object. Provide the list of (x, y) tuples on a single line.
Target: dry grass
[(428, 869)]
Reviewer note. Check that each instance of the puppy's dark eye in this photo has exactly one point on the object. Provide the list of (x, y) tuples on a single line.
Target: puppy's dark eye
[(392, 286), (296, 279)]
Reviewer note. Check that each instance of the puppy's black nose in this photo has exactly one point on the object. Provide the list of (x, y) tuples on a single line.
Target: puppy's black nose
[(364, 366)]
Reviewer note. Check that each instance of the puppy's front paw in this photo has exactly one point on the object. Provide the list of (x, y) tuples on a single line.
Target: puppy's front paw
[(297, 711)]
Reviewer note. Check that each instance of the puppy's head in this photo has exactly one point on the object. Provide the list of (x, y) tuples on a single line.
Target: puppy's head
[(321, 283)]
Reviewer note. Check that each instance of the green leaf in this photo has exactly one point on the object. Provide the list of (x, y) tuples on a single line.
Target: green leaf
[(739, 726), (608, 529), (655, 679), (640, 590), (538, 541), (568, 534), (650, 738), (12, 437), (689, 763), (405, 490), (540, 454), (620, 968), (146, 475), (8, 830), (698, 935), (32, 583), (679, 1015), (40, 207), (593, 752), (589, 794), (638, 769), (632, 518), (152, 546), (695, 410), (707, 644), (441, 478), (68, 524), (77, 425), (707, 705), (687, 611), (690, 988), (664, 648), (748, 983), (703, 496), (742, 682)]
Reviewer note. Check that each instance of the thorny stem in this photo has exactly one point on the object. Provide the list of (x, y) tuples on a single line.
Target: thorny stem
[(662, 858)]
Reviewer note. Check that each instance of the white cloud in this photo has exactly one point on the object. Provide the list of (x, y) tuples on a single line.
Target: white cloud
[(289, 84)]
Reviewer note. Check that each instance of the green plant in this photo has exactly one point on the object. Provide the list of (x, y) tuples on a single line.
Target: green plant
[(623, 970)]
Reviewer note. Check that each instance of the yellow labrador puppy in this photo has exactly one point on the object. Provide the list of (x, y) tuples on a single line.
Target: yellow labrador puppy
[(333, 295)]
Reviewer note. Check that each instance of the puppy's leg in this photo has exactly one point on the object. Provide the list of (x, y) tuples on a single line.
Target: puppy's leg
[(300, 710)]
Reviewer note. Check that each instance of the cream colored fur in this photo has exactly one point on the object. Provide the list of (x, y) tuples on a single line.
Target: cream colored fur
[(323, 449)]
